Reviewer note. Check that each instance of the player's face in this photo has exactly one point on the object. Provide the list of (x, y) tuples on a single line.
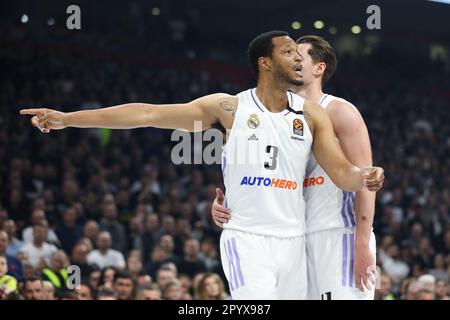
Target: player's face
[(286, 61), (308, 66)]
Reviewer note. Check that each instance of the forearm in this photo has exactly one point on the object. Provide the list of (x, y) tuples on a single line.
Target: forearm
[(365, 209), (125, 116), (348, 178)]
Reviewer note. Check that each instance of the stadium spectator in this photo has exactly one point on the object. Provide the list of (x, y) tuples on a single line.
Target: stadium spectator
[(104, 256)]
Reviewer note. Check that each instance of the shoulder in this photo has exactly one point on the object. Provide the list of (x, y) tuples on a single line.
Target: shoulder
[(93, 253), (26, 246), (344, 113), (222, 97), (341, 105), (115, 253), (51, 247)]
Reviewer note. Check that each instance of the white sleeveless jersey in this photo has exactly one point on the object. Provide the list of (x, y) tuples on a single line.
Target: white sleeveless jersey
[(327, 206), (263, 165)]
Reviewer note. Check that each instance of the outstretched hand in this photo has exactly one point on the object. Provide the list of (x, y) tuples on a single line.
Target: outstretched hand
[(45, 119)]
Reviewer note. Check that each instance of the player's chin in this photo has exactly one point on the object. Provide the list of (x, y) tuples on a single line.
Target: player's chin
[(297, 81)]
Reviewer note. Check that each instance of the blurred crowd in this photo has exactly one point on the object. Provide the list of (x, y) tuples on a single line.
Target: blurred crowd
[(138, 227)]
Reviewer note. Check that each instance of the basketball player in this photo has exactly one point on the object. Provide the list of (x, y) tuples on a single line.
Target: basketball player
[(340, 246), (264, 243)]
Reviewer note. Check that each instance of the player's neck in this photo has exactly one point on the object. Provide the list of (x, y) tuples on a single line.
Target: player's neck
[(272, 96), (312, 91)]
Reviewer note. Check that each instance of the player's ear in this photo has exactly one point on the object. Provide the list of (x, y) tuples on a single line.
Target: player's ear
[(264, 63), (320, 68)]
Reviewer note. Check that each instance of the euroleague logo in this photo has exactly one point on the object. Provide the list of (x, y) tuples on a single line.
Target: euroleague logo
[(297, 127)]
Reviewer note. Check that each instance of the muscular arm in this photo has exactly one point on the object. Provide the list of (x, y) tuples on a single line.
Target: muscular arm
[(354, 140), (355, 143), (328, 153), (208, 109)]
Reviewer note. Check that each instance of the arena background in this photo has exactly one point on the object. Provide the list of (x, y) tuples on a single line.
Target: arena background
[(157, 213)]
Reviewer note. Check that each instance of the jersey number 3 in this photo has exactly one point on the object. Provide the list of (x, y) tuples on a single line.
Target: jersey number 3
[(273, 154)]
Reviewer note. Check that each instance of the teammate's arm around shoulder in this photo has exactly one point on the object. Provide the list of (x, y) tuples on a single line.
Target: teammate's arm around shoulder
[(208, 109), (331, 158)]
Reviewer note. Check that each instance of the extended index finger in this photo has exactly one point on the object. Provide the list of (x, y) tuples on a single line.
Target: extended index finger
[(31, 111)]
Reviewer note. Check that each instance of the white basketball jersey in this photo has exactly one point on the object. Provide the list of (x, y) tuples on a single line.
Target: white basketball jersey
[(327, 206), (263, 164)]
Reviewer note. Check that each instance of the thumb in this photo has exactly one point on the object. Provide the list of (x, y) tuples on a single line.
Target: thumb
[(219, 195)]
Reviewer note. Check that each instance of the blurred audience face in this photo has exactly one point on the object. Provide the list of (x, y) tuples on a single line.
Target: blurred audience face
[(134, 264), (411, 292), (159, 254), (152, 222), (108, 277), (441, 289), (425, 295), (439, 261), (10, 228), (123, 288), (212, 287), (3, 266), (83, 292), (37, 215), (79, 253), (167, 243), (104, 241), (191, 248), (40, 233), (49, 290), (59, 260), (70, 216), (4, 241), (163, 277), (34, 290), (91, 230), (149, 294), (94, 279), (385, 284), (173, 290), (393, 251), (110, 211)]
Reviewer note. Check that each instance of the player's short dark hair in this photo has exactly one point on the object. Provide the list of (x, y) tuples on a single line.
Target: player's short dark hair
[(321, 51), (262, 46)]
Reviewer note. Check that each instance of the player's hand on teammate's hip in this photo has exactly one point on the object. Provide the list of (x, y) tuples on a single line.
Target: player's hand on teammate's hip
[(45, 119), (373, 178), (219, 212)]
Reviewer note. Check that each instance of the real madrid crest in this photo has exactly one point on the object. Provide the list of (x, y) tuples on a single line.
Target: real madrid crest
[(253, 121)]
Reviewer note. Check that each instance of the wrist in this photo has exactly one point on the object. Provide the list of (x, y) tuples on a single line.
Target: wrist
[(66, 119), (361, 243)]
